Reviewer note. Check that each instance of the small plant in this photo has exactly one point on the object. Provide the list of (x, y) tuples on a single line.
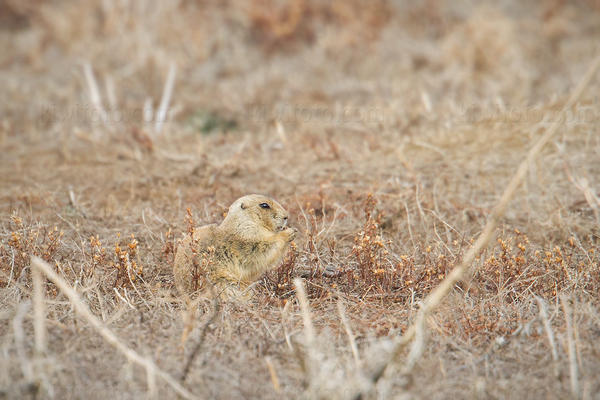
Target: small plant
[(202, 260), (127, 263), (25, 241), (373, 266), (311, 247), (279, 282), (97, 253), (169, 248), (367, 243), (515, 270), (190, 222)]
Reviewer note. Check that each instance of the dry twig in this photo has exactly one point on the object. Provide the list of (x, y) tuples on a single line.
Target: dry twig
[(39, 312), (548, 329), (163, 108), (349, 332), (106, 333), (573, 371), (306, 357)]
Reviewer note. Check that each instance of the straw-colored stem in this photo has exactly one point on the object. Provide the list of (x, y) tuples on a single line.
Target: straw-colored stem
[(106, 333)]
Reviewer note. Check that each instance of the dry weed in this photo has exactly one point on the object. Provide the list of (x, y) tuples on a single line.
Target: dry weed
[(387, 129)]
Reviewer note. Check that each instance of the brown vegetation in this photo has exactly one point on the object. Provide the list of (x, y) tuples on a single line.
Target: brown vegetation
[(388, 131)]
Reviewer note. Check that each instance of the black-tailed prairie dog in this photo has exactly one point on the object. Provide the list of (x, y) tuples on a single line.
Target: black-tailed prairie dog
[(251, 240)]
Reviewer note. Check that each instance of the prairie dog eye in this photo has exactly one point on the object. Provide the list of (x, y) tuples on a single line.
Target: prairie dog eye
[(264, 205)]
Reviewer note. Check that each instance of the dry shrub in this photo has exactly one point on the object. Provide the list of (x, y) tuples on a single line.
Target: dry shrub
[(511, 275), (124, 262), (202, 259), (24, 240), (369, 249), (515, 270), (127, 264), (311, 247), (380, 273), (170, 247), (98, 254), (481, 323), (279, 282)]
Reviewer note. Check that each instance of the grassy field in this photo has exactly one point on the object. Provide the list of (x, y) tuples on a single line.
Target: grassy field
[(388, 129)]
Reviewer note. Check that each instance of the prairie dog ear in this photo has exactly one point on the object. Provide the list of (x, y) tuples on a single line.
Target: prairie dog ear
[(243, 206)]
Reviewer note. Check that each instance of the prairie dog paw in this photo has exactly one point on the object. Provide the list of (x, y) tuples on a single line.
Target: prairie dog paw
[(290, 234)]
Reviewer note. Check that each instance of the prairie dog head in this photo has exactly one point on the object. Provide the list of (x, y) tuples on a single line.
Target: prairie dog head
[(255, 212)]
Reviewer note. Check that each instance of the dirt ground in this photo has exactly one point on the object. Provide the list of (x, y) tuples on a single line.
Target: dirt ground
[(388, 129)]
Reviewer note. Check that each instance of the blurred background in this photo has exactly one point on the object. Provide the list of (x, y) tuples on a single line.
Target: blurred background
[(393, 65), (300, 99), (135, 104)]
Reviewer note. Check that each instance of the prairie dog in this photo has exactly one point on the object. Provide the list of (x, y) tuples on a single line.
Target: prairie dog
[(251, 240)]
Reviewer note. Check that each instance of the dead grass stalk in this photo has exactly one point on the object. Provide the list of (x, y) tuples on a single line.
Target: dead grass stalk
[(106, 333), (571, 346)]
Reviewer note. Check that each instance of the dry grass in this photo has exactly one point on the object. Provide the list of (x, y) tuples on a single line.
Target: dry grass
[(389, 131)]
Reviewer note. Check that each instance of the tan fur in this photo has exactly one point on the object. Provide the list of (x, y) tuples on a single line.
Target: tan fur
[(250, 241)]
